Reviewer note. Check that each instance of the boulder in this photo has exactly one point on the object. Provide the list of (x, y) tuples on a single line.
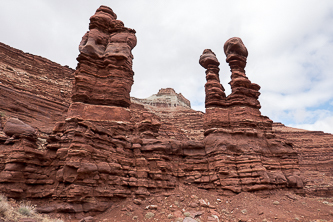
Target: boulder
[(16, 127)]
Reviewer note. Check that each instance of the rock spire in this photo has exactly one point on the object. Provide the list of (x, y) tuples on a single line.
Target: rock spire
[(215, 95), (104, 73), (243, 92), (240, 110)]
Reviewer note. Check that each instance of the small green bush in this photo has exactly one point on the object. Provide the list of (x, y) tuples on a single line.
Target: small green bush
[(2, 114), (26, 210), (10, 213)]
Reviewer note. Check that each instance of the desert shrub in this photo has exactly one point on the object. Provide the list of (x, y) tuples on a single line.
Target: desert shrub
[(26, 209), (3, 198), (8, 211), (4, 205), (2, 114)]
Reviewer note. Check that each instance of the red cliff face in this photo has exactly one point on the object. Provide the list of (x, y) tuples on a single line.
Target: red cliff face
[(314, 152), (33, 89), (106, 148)]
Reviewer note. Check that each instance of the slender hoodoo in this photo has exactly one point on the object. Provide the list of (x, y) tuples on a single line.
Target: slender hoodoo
[(239, 111), (243, 92), (215, 95)]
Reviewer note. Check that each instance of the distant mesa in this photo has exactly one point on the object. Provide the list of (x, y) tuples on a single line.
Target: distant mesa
[(166, 97)]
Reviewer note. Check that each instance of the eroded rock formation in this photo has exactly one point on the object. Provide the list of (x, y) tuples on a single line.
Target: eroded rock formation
[(166, 97), (243, 92), (33, 89), (104, 74), (172, 110), (239, 141), (315, 157), (15, 127), (106, 149), (239, 111), (215, 96)]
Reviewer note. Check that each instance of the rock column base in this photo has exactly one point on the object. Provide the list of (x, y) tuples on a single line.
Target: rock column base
[(98, 112)]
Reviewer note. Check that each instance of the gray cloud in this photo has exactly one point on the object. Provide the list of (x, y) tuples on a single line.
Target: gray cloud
[(289, 42)]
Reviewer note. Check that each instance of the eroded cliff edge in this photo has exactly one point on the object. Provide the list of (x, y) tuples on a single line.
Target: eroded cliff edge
[(33, 89)]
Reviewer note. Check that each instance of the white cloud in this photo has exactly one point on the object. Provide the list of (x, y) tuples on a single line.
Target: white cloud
[(323, 124)]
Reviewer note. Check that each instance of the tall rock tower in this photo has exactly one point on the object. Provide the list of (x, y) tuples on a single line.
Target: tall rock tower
[(104, 75), (93, 138), (239, 141), (215, 96), (238, 112)]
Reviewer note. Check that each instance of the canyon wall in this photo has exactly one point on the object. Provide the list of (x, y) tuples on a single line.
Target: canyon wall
[(315, 157), (33, 89)]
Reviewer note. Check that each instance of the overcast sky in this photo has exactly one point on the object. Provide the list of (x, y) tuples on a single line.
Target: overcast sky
[(290, 44)]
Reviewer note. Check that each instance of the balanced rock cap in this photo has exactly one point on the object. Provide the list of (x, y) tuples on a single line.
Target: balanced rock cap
[(234, 47), (208, 57)]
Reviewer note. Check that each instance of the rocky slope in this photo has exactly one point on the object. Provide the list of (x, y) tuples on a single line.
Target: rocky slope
[(314, 151), (190, 204), (33, 89), (84, 148)]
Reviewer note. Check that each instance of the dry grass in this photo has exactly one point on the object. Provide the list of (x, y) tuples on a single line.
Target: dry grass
[(12, 211)]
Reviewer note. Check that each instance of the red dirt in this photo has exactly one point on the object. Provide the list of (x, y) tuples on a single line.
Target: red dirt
[(268, 206)]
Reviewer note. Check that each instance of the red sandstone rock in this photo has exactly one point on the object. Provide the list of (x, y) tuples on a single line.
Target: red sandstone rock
[(239, 110), (243, 91), (235, 49), (33, 89), (104, 152), (97, 112), (88, 219), (15, 127), (215, 96), (104, 74), (314, 154)]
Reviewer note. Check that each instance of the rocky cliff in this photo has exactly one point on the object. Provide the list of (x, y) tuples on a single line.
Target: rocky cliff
[(33, 89), (315, 156), (104, 148)]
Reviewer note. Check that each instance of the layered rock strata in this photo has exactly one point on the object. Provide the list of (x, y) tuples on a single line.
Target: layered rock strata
[(31, 74), (166, 98), (235, 128), (176, 122), (239, 111), (104, 152), (104, 74), (314, 149), (215, 96), (33, 89)]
